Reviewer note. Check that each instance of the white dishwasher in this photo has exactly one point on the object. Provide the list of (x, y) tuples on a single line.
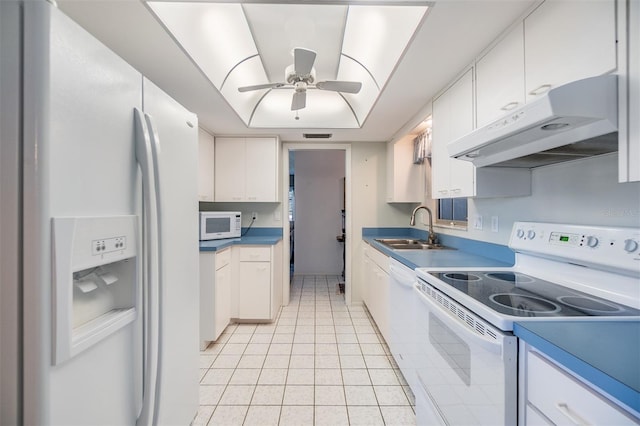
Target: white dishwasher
[(402, 313)]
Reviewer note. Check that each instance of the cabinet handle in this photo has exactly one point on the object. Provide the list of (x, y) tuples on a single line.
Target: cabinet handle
[(443, 191), (510, 106), (563, 407), (456, 190), (540, 90)]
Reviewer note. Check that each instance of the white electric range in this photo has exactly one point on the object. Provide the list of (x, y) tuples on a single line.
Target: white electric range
[(467, 356)]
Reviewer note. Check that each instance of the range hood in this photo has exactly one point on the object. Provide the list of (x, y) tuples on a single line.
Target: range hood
[(576, 120)]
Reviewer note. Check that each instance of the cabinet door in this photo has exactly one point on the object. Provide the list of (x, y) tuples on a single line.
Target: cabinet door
[(230, 169), (567, 41), (452, 118), (261, 160), (277, 279), (405, 180), (382, 301), (367, 274), (207, 296), (254, 290), (500, 78), (629, 93), (461, 173), (222, 300), (439, 155), (206, 166)]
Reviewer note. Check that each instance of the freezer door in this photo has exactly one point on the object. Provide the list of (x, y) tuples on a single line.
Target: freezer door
[(174, 134), (79, 161)]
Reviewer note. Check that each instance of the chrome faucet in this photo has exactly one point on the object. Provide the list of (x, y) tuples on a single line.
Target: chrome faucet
[(433, 238)]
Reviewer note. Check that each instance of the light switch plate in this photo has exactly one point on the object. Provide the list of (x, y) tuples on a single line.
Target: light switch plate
[(494, 224), (477, 223)]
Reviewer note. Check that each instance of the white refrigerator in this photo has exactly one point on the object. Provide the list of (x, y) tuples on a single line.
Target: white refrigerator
[(98, 233)]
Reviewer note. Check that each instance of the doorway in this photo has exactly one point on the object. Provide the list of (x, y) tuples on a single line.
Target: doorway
[(317, 206)]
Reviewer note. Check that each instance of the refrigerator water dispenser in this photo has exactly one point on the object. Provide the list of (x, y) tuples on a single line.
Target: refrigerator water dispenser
[(96, 277)]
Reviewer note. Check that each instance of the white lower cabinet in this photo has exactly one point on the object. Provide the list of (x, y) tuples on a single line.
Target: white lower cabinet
[(376, 283), (553, 396), (259, 282), (238, 283), (215, 294)]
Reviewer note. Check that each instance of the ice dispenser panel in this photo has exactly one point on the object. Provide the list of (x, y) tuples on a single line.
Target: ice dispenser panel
[(96, 277)]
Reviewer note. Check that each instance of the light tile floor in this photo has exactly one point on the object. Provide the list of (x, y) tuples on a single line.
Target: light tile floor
[(320, 363)]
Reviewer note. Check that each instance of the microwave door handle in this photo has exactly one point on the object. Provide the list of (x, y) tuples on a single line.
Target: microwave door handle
[(150, 268), (487, 343)]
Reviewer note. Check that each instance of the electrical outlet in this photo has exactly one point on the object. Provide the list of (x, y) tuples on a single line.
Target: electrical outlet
[(494, 224), (477, 223), (254, 216)]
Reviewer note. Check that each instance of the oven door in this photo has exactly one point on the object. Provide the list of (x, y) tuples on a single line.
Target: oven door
[(466, 368)]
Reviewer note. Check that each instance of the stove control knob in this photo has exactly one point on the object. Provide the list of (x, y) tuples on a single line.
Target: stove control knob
[(630, 245), (520, 233), (592, 241), (531, 234)]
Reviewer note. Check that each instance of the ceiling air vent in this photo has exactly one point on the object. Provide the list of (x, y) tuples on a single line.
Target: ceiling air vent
[(317, 135)]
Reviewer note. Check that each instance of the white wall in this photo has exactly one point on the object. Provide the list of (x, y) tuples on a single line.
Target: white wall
[(583, 192), (317, 212), (368, 199)]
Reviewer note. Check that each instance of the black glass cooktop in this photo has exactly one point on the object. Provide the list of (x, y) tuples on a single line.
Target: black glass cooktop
[(516, 294)]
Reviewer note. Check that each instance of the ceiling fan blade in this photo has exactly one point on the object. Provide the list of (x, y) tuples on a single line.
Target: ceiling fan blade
[(260, 87), (298, 101), (340, 86), (303, 60)]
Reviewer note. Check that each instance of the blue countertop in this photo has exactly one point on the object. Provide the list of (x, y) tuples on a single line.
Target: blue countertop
[(604, 353), (467, 253), (254, 236)]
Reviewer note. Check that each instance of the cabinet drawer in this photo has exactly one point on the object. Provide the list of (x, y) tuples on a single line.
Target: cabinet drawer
[(565, 400), (223, 258), (255, 254)]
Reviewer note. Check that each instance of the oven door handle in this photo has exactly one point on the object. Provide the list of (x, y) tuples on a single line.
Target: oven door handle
[(494, 345)]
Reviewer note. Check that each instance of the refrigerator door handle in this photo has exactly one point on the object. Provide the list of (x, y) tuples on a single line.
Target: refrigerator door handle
[(156, 155), (151, 270)]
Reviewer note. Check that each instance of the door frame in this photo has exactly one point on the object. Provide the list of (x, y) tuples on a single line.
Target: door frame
[(305, 146)]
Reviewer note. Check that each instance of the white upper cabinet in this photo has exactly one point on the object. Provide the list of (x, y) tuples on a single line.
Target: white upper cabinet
[(230, 169), (452, 178), (262, 169), (452, 118), (405, 180), (500, 78), (205, 166), (246, 169), (566, 41), (629, 90)]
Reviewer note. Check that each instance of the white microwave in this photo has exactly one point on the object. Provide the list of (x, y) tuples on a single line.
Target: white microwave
[(218, 225)]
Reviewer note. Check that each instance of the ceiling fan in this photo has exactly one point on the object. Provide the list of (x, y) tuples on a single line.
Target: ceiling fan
[(301, 75)]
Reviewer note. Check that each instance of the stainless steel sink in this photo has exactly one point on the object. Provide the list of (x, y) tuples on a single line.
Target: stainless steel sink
[(410, 244)]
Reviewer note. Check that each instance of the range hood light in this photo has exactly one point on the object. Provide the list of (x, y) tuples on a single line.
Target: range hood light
[(554, 126)]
